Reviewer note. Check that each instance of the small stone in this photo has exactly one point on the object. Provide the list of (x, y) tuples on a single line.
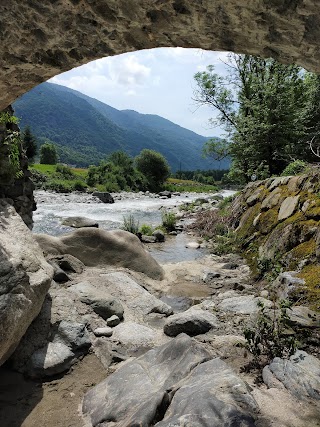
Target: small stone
[(288, 207), (264, 294), (113, 321), (193, 245), (103, 332)]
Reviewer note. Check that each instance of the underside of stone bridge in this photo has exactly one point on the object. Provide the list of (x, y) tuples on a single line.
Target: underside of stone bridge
[(40, 39)]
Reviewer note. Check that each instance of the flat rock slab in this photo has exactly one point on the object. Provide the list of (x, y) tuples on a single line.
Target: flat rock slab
[(288, 207), (134, 335), (133, 394), (213, 395), (205, 392), (193, 321), (79, 221), (246, 304), (300, 375), (303, 316)]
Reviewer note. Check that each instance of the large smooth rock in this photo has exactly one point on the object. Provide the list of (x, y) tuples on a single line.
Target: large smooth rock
[(213, 395), (132, 395), (132, 334), (25, 278), (300, 375), (96, 247), (104, 196), (193, 321)]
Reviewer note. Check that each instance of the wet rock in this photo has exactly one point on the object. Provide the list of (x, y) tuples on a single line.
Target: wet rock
[(79, 221), (193, 322), (300, 375), (103, 332), (159, 235), (145, 390), (213, 395), (103, 196), (113, 321), (166, 194), (245, 304)]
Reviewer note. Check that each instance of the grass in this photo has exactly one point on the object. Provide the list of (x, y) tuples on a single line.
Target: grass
[(186, 185)]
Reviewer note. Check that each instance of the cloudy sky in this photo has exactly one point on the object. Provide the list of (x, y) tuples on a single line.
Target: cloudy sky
[(158, 81)]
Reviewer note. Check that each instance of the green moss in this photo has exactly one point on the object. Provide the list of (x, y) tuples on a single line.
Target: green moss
[(246, 228), (303, 251), (313, 212), (268, 220), (311, 275)]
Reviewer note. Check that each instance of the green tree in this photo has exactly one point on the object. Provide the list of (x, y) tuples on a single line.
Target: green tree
[(154, 167), (29, 143), (48, 154), (260, 104)]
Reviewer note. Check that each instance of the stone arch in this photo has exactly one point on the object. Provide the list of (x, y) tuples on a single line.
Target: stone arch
[(42, 39)]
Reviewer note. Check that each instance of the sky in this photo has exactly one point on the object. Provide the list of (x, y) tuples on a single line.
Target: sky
[(158, 81)]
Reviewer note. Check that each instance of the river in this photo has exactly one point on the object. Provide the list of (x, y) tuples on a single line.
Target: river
[(52, 208)]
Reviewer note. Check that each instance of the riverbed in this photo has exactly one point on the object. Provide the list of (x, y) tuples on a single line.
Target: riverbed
[(146, 208)]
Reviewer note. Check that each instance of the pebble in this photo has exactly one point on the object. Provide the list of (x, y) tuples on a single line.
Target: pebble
[(103, 332), (113, 321)]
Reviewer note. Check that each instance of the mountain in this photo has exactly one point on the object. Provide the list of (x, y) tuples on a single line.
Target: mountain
[(87, 130)]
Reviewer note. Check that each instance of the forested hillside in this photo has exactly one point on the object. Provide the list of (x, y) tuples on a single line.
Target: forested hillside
[(86, 130)]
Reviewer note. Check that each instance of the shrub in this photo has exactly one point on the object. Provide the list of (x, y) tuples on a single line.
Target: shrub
[(169, 220), (64, 171), (79, 186), (130, 224), (58, 186), (295, 168), (146, 229), (268, 337)]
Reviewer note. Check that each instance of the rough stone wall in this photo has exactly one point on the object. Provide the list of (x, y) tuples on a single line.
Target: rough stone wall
[(277, 225), (17, 191), (39, 39)]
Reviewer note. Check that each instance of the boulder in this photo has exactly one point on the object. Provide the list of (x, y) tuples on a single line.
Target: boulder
[(133, 394), (272, 199), (25, 277), (159, 235), (68, 263), (113, 321), (193, 245), (79, 222), (303, 317), (173, 385), (134, 335), (165, 194), (103, 196), (193, 321), (300, 375), (213, 395), (104, 306), (95, 247), (59, 275)]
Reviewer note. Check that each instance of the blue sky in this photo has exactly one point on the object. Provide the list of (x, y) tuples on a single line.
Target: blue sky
[(158, 81)]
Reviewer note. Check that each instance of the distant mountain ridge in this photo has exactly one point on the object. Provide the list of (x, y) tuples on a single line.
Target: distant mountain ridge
[(87, 130)]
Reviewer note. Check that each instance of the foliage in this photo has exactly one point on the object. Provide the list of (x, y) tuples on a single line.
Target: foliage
[(202, 176), (295, 168), (64, 171), (48, 154), (180, 185), (154, 167), (169, 220), (59, 186), (268, 337), (79, 186), (60, 178), (29, 144), (267, 110), (130, 224), (11, 149), (146, 230)]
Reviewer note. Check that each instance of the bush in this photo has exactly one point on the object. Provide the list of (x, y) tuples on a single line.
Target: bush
[(146, 230), (58, 186), (64, 171), (79, 186), (130, 224), (295, 168), (169, 220)]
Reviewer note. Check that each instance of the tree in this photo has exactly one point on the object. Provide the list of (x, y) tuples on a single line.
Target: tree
[(29, 144), (48, 154), (154, 166), (260, 104)]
